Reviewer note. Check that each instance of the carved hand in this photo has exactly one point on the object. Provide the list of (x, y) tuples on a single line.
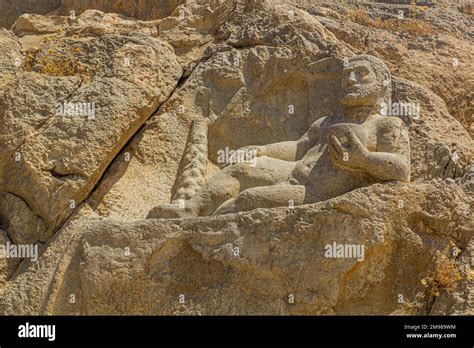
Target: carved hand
[(351, 154)]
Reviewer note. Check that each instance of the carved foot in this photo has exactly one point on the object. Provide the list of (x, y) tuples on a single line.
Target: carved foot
[(228, 207), (170, 211)]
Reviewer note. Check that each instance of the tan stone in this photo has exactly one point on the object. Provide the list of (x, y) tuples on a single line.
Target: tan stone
[(250, 263), (243, 74), (60, 158)]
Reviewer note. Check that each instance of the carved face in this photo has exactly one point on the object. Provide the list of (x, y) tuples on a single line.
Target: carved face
[(360, 84)]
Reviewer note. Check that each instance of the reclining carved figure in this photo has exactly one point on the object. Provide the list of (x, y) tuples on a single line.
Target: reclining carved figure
[(336, 155)]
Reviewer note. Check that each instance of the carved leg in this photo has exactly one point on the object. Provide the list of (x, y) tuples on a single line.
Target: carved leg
[(227, 184), (264, 197), (170, 211)]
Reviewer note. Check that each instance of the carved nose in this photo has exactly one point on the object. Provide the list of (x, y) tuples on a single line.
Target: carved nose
[(352, 80)]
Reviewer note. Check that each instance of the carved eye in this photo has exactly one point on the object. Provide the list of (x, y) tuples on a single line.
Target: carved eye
[(363, 72)]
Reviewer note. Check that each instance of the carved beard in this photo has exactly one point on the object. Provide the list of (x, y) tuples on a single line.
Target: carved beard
[(364, 96)]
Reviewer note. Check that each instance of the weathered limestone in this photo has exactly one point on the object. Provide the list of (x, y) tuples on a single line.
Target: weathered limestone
[(250, 263), (194, 168), (60, 158), (439, 60), (336, 155), (385, 205), (143, 9), (7, 265)]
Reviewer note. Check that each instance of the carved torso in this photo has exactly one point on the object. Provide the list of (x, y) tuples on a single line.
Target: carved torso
[(316, 169)]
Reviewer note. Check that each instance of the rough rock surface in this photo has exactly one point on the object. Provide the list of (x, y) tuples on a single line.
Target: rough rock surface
[(142, 9), (252, 262), (429, 45), (61, 157), (80, 188)]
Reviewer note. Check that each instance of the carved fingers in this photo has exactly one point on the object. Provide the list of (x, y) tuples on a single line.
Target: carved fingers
[(349, 152), (336, 151), (335, 147), (355, 144)]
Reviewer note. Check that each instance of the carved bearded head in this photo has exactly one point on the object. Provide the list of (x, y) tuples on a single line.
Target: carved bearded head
[(366, 81)]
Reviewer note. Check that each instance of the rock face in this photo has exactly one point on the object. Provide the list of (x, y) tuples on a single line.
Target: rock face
[(103, 118), (12, 9), (429, 45), (57, 148), (143, 9)]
